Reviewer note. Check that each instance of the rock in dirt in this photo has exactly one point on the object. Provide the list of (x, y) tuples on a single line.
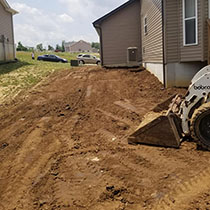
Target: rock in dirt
[(3, 146)]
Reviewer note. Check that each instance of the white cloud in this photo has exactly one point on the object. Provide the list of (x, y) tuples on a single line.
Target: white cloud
[(66, 18), (90, 9), (36, 26), (62, 20)]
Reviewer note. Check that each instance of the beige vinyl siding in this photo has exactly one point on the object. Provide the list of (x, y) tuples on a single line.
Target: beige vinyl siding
[(152, 42), (174, 41), (120, 31), (205, 29), (172, 31), (6, 26), (81, 46), (191, 53)]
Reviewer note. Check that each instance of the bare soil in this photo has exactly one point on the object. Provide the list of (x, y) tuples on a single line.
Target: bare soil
[(63, 145)]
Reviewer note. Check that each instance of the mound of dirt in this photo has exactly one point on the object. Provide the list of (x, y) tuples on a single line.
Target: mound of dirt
[(63, 145)]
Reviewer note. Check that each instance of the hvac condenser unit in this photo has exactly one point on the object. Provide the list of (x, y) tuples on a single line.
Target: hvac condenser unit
[(132, 55)]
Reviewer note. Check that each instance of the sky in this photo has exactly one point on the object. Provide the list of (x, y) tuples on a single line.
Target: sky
[(51, 21)]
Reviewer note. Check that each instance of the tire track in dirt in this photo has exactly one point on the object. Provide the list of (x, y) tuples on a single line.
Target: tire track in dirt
[(80, 177), (24, 170), (184, 193), (2, 207)]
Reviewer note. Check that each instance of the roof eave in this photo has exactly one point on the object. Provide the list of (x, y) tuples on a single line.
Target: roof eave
[(8, 8), (14, 12)]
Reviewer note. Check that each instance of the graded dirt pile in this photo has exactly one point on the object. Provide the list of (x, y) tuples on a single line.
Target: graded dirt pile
[(63, 145)]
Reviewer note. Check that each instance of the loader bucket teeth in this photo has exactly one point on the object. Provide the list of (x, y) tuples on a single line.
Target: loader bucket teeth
[(157, 130)]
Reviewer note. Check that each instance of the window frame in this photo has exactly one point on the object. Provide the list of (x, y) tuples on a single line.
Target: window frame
[(145, 25), (191, 18)]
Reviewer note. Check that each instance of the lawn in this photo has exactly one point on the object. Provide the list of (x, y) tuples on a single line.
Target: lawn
[(16, 77)]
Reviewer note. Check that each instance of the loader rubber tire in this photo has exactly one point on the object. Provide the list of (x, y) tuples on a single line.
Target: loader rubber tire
[(200, 126)]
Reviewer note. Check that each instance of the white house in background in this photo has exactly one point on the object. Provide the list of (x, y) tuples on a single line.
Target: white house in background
[(7, 45), (80, 46)]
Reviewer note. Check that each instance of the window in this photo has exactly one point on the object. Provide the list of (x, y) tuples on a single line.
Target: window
[(190, 22), (145, 26), (86, 56)]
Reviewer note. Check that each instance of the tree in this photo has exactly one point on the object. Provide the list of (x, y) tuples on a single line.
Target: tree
[(95, 45), (20, 47), (39, 47), (50, 48), (58, 47), (63, 46)]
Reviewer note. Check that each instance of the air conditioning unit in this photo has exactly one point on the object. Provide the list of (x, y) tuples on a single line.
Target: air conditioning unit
[(132, 55)]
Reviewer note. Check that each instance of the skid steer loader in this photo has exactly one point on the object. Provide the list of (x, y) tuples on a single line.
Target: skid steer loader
[(187, 117)]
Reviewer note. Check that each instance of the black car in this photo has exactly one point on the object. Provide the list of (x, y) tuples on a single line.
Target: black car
[(52, 58)]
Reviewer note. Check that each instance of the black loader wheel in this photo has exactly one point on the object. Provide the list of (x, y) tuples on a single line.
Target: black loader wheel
[(200, 126)]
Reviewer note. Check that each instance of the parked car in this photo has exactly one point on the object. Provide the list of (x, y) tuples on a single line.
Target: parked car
[(52, 58), (88, 59), (80, 55)]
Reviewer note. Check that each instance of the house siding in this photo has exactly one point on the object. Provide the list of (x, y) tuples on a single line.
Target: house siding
[(120, 31), (6, 24), (7, 48), (81, 46), (172, 30), (183, 62), (174, 44), (205, 29), (152, 42), (196, 52)]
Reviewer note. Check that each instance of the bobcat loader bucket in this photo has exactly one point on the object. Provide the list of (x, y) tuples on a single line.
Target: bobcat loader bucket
[(158, 129)]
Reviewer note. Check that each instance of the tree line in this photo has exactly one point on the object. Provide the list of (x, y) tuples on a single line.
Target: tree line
[(60, 48)]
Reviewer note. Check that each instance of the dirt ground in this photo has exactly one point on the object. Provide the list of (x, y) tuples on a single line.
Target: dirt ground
[(63, 145)]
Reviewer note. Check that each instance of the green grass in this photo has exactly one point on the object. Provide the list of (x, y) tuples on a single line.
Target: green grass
[(15, 77)]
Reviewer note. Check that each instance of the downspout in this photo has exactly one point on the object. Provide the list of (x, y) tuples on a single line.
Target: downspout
[(163, 36), (209, 9), (13, 39)]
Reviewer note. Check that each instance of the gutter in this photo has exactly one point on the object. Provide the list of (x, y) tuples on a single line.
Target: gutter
[(164, 50), (8, 8), (12, 11)]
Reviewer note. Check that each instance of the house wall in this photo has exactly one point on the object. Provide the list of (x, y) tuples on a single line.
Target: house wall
[(152, 42), (181, 74), (81, 47), (7, 51), (172, 31), (6, 26), (193, 53), (120, 31), (205, 27), (183, 62), (156, 69), (175, 49)]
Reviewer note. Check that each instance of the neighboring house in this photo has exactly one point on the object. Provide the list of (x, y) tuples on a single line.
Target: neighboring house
[(174, 38), (67, 46), (7, 45), (80, 46), (118, 31)]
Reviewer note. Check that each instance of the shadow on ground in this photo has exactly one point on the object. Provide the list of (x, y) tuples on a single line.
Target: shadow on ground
[(9, 67)]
